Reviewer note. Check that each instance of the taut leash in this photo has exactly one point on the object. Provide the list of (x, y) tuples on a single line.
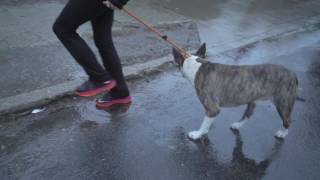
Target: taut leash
[(160, 34)]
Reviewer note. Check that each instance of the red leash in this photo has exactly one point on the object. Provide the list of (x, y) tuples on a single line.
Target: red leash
[(161, 35)]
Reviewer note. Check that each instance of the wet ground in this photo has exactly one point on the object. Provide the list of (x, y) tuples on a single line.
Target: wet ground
[(228, 23), (71, 139)]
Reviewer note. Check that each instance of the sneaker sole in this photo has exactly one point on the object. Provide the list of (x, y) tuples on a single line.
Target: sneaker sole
[(97, 91), (108, 105)]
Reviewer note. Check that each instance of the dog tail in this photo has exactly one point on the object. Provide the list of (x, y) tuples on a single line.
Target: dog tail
[(298, 98)]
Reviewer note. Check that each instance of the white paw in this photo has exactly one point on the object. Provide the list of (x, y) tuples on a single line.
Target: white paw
[(194, 135), (236, 125), (282, 133)]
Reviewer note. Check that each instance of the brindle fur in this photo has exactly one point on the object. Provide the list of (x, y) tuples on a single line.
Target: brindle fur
[(219, 85)]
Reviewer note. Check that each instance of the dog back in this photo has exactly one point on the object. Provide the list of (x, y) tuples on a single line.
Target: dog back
[(231, 85)]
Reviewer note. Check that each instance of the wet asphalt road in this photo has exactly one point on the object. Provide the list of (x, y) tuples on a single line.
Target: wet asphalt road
[(71, 139)]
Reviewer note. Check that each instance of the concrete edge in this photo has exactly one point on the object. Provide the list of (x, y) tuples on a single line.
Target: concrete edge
[(291, 32), (308, 26), (41, 97)]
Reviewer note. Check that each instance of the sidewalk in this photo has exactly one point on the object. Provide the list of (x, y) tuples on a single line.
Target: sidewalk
[(37, 64)]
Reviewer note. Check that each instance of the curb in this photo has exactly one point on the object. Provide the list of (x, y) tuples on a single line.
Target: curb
[(41, 97), (311, 25)]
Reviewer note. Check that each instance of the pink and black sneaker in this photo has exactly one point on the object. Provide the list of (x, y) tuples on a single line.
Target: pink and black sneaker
[(107, 101), (90, 88)]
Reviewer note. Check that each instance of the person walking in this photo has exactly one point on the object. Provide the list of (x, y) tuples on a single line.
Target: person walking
[(101, 79)]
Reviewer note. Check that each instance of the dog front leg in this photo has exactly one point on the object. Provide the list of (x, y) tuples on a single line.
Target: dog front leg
[(204, 128)]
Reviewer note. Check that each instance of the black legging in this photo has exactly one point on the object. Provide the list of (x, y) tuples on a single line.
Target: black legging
[(77, 12)]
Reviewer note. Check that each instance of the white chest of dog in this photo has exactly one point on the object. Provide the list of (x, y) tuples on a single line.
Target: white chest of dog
[(190, 68)]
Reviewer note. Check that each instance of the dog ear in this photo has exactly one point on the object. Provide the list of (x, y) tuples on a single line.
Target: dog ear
[(202, 51), (178, 57)]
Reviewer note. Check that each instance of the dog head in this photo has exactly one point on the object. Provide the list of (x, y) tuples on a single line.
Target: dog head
[(179, 58)]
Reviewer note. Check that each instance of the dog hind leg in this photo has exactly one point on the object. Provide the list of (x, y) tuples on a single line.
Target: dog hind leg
[(247, 114), (284, 108)]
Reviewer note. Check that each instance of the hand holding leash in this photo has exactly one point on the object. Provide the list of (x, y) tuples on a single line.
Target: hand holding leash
[(110, 5)]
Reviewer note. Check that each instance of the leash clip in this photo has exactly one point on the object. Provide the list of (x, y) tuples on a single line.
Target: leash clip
[(165, 37)]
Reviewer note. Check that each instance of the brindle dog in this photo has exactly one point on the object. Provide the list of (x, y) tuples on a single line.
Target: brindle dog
[(218, 85)]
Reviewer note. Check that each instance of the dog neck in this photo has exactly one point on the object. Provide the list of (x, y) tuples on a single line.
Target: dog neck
[(190, 68)]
